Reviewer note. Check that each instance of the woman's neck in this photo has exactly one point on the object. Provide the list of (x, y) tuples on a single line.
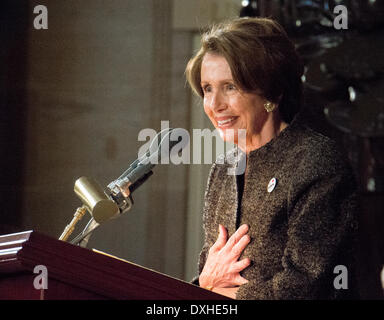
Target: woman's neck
[(270, 129)]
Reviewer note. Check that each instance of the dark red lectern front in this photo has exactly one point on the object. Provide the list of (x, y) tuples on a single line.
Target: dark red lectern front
[(79, 273)]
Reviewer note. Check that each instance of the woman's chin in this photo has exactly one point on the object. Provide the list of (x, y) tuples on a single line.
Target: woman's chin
[(232, 135), (227, 135)]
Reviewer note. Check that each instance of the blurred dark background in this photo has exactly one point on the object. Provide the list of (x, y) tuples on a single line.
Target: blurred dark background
[(74, 97), (344, 99)]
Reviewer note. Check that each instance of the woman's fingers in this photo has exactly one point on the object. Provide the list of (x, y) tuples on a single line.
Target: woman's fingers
[(241, 265), (236, 237), (221, 239), (222, 267), (239, 247), (235, 244), (239, 280)]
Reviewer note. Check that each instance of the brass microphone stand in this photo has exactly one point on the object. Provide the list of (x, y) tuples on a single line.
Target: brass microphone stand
[(78, 215)]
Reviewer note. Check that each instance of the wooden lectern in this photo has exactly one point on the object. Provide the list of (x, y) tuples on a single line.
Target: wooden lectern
[(77, 273)]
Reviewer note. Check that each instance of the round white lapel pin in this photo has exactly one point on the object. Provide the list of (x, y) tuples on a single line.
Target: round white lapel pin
[(272, 184)]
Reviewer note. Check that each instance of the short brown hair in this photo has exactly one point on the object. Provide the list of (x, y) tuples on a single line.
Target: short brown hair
[(261, 58)]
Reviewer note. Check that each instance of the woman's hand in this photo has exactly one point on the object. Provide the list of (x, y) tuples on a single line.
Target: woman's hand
[(222, 268)]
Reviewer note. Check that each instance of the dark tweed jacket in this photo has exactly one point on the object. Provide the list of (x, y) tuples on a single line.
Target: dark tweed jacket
[(301, 230)]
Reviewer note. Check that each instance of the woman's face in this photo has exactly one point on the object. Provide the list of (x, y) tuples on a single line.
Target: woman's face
[(227, 106)]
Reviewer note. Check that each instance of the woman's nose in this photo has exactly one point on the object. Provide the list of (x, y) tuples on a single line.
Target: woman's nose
[(217, 102)]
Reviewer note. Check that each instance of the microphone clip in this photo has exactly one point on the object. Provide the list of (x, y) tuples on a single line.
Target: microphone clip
[(120, 193)]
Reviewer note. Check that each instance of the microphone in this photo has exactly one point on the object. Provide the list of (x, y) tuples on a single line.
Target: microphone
[(117, 199), (161, 148)]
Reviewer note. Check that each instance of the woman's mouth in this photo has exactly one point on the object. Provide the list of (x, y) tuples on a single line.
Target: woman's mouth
[(227, 122)]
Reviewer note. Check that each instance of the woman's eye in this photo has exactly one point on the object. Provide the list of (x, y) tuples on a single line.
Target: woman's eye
[(231, 86), (206, 89)]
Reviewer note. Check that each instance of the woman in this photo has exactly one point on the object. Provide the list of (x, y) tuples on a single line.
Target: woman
[(279, 230)]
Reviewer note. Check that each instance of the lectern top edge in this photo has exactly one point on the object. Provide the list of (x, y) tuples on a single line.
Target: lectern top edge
[(74, 271)]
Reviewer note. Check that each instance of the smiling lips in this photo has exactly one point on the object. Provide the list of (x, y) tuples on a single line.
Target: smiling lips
[(225, 122)]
